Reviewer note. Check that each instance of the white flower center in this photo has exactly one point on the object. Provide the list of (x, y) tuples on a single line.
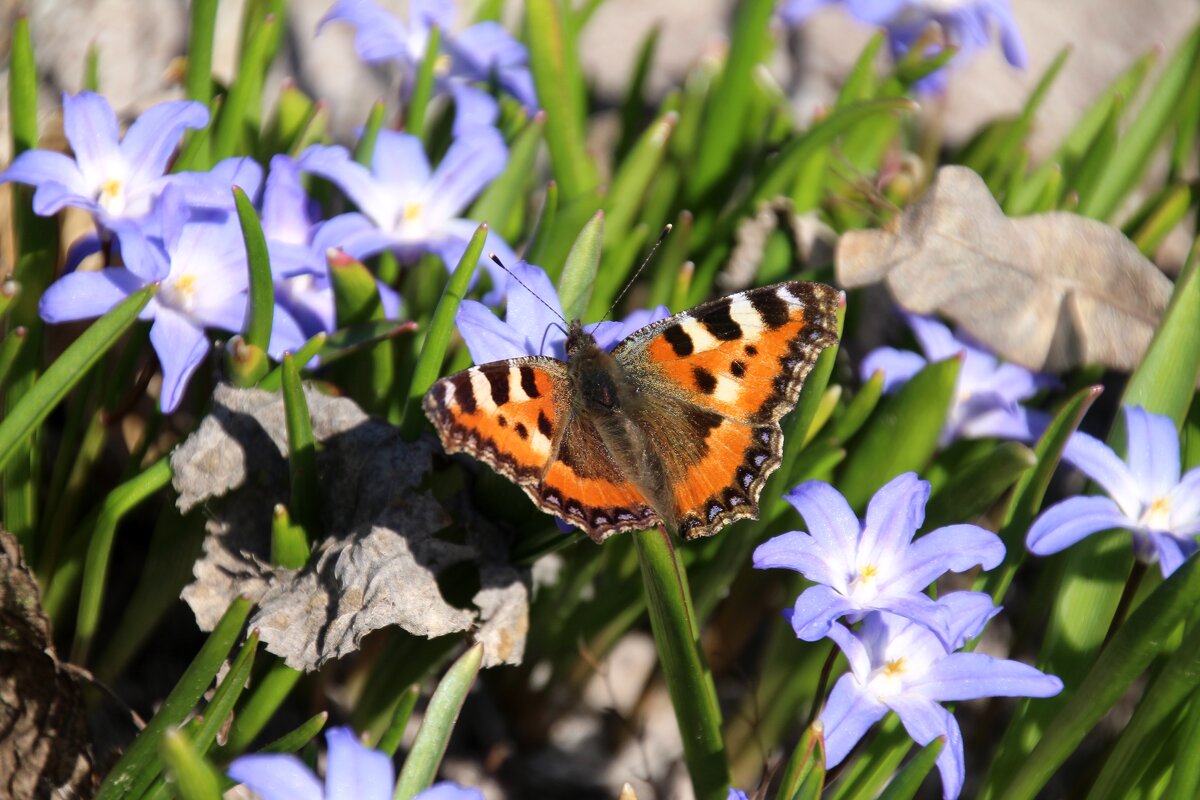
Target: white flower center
[(181, 292), (112, 196), (865, 584), (888, 680), (412, 224), (1157, 515)]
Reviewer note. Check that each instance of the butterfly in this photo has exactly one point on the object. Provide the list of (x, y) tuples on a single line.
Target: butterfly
[(678, 425)]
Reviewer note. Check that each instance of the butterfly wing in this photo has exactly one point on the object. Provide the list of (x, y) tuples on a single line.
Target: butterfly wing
[(730, 368), (515, 416)]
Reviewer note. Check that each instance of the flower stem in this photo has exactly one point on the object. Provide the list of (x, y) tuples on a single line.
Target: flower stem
[(677, 636), (822, 685)]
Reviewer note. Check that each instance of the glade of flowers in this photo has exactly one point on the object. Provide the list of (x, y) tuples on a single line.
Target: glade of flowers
[(235, 241)]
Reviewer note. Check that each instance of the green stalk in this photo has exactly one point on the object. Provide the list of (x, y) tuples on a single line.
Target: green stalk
[(685, 669), (197, 82)]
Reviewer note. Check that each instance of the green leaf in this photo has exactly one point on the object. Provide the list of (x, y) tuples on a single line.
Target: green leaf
[(727, 107), (858, 410), (305, 354), (355, 293), (437, 338), (1131, 649), (138, 767), (1167, 214), (240, 111), (202, 28), (302, 454), (260, 310), (684, 667), (1000, 165), (801, 763), (556, 76), (418, 102), (1149, 126), (289, 545), (1125, 86), (579, 269), (666, 263), (293, 740), (542, 231), (903, 434), (45, 395), (395, 730), (974, 488), (194, 779), (265, 699), (862, 81), (246, 364), (217, 712), (354, 338), (364, 148), (502, 202), (10, 346), (633, 108), (119, 502), (868, 773), (1185, 777), (908, 780), (1094, 162), (421, 766)]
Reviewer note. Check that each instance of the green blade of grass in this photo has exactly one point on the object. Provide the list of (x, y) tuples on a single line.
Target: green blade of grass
[(293, 740), (418, 102), (302, 455), (421, 766), (202, 28), (138, 766), (502, 202), (578, 278), (437, 338), (973, 489), (193, 778), (260, 310), (265, 699), (239, 112), (390, 740), (908, 780), (217, 712)]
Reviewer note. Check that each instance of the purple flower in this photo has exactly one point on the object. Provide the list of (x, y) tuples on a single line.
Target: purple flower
[(200, 264), (353, 772), (116, 179), (473, 56), (873, 565), (1146, 494), (406, 207), (533, 321), (987, 397), (964, 24), (898, 665), (737, 794), (299, 248)]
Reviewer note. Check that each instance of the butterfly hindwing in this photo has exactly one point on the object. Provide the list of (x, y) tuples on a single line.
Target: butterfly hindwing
[(740, 360), (515, 416)]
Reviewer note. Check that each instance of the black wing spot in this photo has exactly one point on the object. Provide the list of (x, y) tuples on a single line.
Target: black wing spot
[(705, 380), (529, 382), (679, 340), (718, 321), (464, 392), (738, 368), (498, 380), (771, 307), (544, 425), (522, 431), (750, 350), (503, 420)]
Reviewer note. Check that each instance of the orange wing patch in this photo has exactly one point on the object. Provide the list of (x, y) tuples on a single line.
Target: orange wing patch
[(515, 416)]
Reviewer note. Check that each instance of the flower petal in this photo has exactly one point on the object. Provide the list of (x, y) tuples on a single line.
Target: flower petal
[(954, 548), (969, 613), (378, 35), (153, 136), (1095, 459), (449, 791), (897, 366), (486, 336), (936, 340), (91, 127), (855, 648), (52, 197), (1172, 551), (277, 777), (38, 167), (848, 715), (816, 609), (804, 554), (473, 161), (400, 163), (333, 162), (968, 676), (1065, 523), (830, 521), (473, 108), (921, 609), (1153, 451), (1184, 500), (354, 770), (84, 295), (181, 347), (926, 721), (609, 334), (352, 233), (285, 206), (893, 516)]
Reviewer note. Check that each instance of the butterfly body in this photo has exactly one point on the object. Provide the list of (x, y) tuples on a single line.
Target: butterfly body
[(679, 424)]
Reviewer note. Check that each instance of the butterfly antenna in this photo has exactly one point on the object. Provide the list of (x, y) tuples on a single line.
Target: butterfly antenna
[(638, 271), (540, 299)]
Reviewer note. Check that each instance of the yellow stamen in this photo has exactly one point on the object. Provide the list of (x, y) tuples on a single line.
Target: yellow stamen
[(894, 667), (412, 211), (110, 189)]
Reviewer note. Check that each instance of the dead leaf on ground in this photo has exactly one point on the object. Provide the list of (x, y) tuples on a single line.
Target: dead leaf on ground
[(45, 744), (1049, 292), (383, 556)]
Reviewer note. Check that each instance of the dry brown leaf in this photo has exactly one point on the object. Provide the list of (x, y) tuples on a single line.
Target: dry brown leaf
[(1048, 292), (812, 242), (45, 745), (380, 563)]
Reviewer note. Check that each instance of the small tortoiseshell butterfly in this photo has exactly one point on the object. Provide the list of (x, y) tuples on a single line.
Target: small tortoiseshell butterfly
[(679, 424)]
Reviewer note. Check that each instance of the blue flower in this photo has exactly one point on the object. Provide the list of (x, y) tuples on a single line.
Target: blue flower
[(964, 24), (353, 772), (474, 56), (1146, 495), (199, 262), (898, 665), (300, 246), (988, 393), (117, 180), (859, 567), (533, 321), (406, 207)]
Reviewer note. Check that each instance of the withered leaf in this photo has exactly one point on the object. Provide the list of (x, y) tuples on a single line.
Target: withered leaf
[(1048, 292), (383, 554), (45, 746)]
